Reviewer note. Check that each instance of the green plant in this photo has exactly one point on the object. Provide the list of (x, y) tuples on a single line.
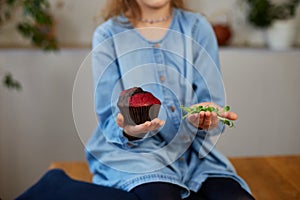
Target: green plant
[(36, 22), (198, 109), (285, 10), (262, 13), (11, 83)]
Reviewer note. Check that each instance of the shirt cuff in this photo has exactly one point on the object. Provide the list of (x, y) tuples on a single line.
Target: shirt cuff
[(131, 141)]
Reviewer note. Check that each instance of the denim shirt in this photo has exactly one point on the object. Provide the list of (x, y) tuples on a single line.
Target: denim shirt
[(181, 68)]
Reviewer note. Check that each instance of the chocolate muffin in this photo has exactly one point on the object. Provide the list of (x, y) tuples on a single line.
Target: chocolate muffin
[(138, 106)]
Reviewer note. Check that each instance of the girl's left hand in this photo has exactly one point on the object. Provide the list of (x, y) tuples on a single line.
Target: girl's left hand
[(209, 120)]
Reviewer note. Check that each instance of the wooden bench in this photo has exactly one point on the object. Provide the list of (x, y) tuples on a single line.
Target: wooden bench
[(274, 178)]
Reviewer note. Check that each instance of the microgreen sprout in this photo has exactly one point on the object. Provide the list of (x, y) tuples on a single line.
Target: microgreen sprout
[(198, 109)]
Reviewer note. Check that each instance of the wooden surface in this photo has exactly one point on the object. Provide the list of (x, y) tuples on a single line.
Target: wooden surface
[(76, 170), (276, 178), (270, 178)]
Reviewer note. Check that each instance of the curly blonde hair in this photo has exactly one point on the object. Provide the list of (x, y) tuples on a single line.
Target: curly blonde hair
[(131, 9)]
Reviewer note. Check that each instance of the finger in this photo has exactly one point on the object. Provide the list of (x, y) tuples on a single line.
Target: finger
[(162, 122), (155, 124), (214, 121), (196, 120), (201, 119), (120, 120), (230, 115), (207, 120), (143, 127), (137, 130)]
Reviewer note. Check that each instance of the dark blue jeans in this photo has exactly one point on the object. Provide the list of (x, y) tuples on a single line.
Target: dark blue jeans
[(56, 185)]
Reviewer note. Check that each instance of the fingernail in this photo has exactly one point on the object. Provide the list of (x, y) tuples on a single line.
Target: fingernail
[(147, 124)]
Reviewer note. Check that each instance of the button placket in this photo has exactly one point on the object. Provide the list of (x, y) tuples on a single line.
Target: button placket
[(159, 58), (162, 78), (172, 108)]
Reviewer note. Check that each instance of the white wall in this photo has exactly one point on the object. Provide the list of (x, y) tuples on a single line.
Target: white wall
[(263, 87), (36, 124)]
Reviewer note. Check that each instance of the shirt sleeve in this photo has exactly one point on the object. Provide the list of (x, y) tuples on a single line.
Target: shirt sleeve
[(107, 78), (207, 78)]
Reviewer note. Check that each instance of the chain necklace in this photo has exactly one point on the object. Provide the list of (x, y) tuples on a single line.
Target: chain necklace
[(152, 21)]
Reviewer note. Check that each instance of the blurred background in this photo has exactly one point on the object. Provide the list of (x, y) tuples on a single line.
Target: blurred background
[(45, 74)]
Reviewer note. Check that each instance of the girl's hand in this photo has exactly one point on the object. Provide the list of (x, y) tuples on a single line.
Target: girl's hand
[(209, 120), (139, 131)]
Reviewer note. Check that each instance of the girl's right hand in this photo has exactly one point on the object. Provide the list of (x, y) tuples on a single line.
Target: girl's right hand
[(139, 131)]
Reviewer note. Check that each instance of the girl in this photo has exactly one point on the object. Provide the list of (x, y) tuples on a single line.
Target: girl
[(160, 46)]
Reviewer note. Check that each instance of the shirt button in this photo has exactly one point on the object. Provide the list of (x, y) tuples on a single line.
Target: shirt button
[(156, 45), (181, 159), (185, 138), (162, 78), (172, 108)]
